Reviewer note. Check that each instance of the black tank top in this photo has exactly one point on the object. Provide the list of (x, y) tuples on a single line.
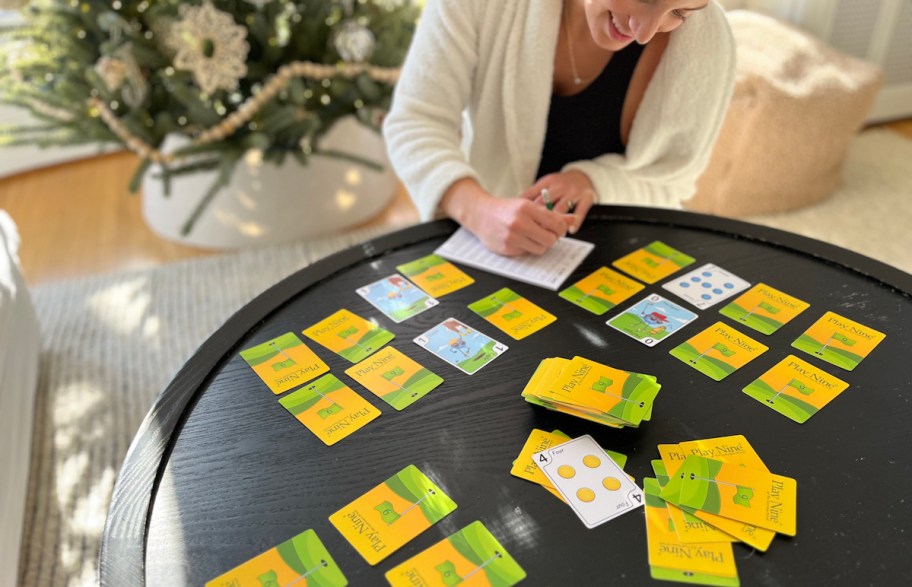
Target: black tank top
[(588, 124)]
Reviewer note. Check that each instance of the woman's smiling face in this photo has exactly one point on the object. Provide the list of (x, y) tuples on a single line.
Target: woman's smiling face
[(614, 24)]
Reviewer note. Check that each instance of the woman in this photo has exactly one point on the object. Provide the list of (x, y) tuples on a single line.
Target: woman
[(503, 104)]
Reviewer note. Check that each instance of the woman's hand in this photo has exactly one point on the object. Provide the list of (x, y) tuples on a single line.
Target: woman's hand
[(506, 226), (571, 193)]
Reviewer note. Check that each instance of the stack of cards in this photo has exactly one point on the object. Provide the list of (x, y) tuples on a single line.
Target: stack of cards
[(708, 494), (590, 390)]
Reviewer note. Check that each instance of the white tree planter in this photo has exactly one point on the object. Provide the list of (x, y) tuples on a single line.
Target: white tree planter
[(265, 204)]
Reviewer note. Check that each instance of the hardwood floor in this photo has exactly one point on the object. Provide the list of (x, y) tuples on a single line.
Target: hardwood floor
[(78, 219)]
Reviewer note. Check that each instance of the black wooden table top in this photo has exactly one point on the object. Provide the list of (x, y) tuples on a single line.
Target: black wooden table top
[(220, 471)]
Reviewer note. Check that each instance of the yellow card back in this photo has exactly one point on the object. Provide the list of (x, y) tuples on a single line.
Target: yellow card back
[(795, 388), (601, 291), (435, 275), (653, 262), (349, 335), (764, 308), (385, 518), (719, 351), (524, 467), (284, 362), (512, 313), (330, 409), (839, 341)]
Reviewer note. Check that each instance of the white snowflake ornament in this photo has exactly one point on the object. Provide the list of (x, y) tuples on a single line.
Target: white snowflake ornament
[(208, 43), (354, 41)]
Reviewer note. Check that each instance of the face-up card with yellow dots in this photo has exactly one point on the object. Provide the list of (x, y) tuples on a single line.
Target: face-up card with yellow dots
[(718, 351), (795, 388), (653, 262), (299, 560), (349, 335), (601, 291), (739, 493), (394, 377), (284, 362), (593, 485), (512, 313), (839, 341), (471, 556), (382, 520), (764, 308), (435, 275), (330, 409)]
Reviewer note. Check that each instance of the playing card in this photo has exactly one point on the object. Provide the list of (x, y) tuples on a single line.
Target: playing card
[(471, 556), (653, 262), (718, 351), (330, 409), (385, 518), (284, 362), (796, 389), (512, 313), (739, 493), (594, 486), (348, 335), (670, 559), (601, 290), (396, 297), (839, 341), (706, 286), (460, 345), (652, 320), (394, 377), (435, 275), (299, 560), (763, 308)]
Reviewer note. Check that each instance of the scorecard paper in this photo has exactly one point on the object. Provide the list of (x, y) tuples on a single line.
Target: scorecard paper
[(549, 270)]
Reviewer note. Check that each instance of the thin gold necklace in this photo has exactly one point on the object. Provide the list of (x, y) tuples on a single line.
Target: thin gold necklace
[(577, 80)]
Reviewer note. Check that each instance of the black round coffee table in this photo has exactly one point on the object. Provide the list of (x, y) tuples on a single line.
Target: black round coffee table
[(220, 472)]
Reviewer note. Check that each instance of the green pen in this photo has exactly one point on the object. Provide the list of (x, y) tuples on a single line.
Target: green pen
[(547, 198)]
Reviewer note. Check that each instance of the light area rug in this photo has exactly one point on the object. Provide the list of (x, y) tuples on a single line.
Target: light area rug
[(112, 343)]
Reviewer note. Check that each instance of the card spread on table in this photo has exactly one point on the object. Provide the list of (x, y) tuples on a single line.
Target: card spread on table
[(764, 308), (653, 262), (385, 518), (471, 556), (460, 345), (435, 275), (330, 409), (601, 290), (594, 486), (796, 389), (718, 351), (739, 493), (284, 362), (512, 313), (839, 341), (733, 449), (592, 391), (349, 336), (652, 320), (706, 286), (301, 560), (397, 297), (670, 559), (394, 377)]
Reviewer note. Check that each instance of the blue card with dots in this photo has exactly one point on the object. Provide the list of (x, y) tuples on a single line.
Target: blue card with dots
[(706, 286)]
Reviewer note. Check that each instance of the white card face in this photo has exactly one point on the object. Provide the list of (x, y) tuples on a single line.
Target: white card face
[(397, 297), (594, 486), (706, 286), (461, 345), (652, 319)]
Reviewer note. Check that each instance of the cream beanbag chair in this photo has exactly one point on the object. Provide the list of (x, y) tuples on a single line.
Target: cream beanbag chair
[(796, 106)]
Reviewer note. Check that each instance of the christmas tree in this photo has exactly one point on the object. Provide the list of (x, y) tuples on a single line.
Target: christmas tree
[(229, 75)]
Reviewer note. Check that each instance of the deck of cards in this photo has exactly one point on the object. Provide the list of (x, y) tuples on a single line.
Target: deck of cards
[(592, 391)]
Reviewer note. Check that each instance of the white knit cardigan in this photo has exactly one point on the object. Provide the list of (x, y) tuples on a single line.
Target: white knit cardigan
[(475, 91)]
